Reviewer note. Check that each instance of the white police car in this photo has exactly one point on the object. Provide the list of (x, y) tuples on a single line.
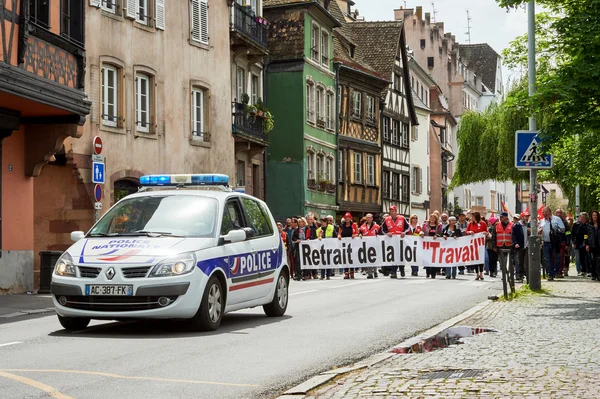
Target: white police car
[(184, 247)]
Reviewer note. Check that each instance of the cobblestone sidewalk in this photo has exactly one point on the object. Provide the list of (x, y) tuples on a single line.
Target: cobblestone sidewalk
[(547, 346)]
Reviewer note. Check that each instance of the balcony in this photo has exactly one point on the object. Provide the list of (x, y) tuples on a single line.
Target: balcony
[(248, 29), (249, 125), (322, 185)]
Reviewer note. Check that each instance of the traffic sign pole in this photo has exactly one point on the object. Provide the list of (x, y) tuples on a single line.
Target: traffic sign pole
[(98, 173), (534, 278)]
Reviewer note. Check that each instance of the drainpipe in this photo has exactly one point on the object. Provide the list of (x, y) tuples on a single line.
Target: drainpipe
[(337, 66), (265, 174)]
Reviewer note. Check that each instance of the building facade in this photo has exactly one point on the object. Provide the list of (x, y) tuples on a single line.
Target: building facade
[(301, 88), (159, 108), (251, 117), (42, 106), (360, 101), (389, 58)]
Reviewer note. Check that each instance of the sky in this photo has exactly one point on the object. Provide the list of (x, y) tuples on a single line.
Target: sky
[(489, 23)]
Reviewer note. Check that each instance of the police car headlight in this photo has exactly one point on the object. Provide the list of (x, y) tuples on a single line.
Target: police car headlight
[(64, 266), (175, 266)]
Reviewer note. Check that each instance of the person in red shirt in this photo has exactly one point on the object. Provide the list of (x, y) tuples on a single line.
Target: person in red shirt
[(393, 225), (370, 229), (477, 226), (348, 229)]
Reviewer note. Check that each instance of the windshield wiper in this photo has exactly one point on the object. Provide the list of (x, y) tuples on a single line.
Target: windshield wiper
[(103, 234), (154, 233)]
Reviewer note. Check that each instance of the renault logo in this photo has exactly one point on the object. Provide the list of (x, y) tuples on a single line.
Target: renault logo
[(110, 273)]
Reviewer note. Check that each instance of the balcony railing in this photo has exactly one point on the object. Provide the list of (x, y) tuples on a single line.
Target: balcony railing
[(248, 123), (246, 23)]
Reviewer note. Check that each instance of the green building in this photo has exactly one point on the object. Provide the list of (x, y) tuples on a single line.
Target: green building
[(300, 86)]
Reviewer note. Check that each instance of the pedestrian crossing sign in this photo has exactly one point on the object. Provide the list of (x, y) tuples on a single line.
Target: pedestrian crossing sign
[(528, 154)]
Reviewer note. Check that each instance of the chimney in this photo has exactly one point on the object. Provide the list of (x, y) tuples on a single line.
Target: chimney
[(427, 18), (419, 13)]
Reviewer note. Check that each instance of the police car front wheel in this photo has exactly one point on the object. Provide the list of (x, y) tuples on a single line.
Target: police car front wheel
[(278, 305), (210, 313), (73, 323)]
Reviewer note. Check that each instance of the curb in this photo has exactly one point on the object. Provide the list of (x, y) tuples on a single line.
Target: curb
[(26, 312), (299, 391)]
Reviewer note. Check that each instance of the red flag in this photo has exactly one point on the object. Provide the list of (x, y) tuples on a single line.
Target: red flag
[(540, 213), (527, 210)]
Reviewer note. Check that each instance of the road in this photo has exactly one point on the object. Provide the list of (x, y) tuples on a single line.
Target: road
[(328, 323)]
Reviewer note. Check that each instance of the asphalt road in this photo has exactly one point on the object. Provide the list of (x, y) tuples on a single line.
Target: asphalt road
[(328, 323)]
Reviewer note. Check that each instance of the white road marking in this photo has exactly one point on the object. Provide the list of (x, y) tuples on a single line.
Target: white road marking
[(303, 292), (10, 343)]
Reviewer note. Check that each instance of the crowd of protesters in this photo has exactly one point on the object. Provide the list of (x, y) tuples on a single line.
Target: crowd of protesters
[(507, 242)]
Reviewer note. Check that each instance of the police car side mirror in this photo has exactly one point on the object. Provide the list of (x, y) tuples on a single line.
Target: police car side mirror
[(77, 235), (235, 236), (249, 232)]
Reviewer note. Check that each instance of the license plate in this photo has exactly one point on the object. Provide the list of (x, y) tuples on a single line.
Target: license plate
[(116, 290)]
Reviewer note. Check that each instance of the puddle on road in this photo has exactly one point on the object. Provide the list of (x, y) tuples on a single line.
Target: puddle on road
[(450, 336)]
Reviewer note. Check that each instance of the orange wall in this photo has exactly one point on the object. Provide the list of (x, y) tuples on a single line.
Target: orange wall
[(17, 196)]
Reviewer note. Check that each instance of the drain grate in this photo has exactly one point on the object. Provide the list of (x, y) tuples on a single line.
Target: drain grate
[(451, 374)]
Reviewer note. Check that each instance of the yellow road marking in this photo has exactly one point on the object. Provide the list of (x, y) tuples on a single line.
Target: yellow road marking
[(126, 377), (42, 387)]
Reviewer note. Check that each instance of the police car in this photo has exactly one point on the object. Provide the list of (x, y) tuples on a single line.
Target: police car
[(184, 247)]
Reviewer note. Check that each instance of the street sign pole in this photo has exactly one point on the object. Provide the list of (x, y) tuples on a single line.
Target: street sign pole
[(534, 278)]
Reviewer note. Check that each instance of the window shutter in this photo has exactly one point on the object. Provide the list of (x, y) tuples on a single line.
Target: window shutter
[(195, 21), (95, 3), (160, 14), (131, 9), (204, 21), (420, 180)]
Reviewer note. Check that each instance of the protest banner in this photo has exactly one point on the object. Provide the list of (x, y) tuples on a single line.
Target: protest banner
[(392, 251)]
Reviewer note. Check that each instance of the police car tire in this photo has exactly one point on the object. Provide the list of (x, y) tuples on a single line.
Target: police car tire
[(201, 320), (274, 309), (73, 323)]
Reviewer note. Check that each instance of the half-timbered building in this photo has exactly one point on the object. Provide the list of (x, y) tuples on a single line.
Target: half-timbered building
[(360, 99), (42, 103), (389, 58)]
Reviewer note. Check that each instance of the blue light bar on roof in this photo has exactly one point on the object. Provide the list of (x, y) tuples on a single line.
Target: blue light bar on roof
[(185, 180)]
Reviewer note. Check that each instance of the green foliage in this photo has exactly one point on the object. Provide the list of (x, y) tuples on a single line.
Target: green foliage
[(486, 143)]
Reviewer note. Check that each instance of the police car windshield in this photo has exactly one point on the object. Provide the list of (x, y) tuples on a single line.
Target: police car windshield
[(156, 216)]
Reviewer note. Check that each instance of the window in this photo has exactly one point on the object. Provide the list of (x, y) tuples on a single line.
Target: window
[(386, 184), (199, 21), (240, 174), (240, 82), (386, 129), (430, 62), (320, 167), (329, 111), (254, 89), (371, 108), (397, 82), (405, 135), (325, 49), (257, 218), (340, 92), (319, 108), (39, 12), (108, 5), (357, 104), (72, 20), (340, 165), (110, 98), (417, 180), (414, 132), (395, 132), (405, 185), (371, 170), (479, 201), (422, 43), (328, 169), (310, 107), (198, 130), (358, 163), (143, 13), (142, 103), (232, 217), (310, 159), (314, 44), (395, 186)]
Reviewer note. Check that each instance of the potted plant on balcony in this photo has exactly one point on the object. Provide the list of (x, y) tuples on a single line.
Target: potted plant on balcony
[(268, 121)]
